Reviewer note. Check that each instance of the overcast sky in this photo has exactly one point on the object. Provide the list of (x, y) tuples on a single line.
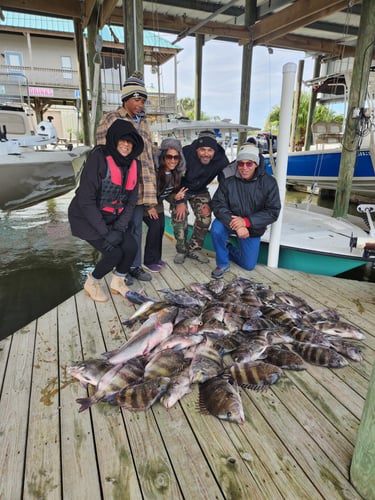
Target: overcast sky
[(221, 78)]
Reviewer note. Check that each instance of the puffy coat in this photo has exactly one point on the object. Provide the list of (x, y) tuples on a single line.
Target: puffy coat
[(257, 199)]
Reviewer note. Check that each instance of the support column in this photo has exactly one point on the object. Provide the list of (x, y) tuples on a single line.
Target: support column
[(357, 96), (199, 42), (81, 57), (297, 98), (133, 36), (247, 59), (312, 106)]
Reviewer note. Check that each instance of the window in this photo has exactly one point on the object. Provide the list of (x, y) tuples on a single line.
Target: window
[(66, 65), (14, 59)]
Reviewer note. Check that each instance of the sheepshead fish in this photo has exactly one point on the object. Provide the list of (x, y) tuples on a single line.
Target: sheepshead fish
[(179, 386), (206, 363), (340, 329), (220, 398), (144, 311), (141, 396), (292, 300), (216, 286), (255, 375), (187, 325), (243, 310), (213, 312), (282, 315), (251, 351), (284, 358), (165, 364), (180, 298), (310, 335), (320, 315), (89, 371), (320, 355), (255, 324), (143, 342), (348, 349), (113, 381)]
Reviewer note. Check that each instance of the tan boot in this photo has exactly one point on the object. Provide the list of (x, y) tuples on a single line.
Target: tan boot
[(94, 290), (118, 285)]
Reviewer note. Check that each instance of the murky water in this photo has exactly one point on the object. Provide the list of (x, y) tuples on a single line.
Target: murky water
[(41, 264)]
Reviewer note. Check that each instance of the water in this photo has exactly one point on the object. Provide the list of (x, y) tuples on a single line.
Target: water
[(41, 264)]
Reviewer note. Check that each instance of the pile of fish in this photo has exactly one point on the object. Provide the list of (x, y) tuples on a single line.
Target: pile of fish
[(217, 337)]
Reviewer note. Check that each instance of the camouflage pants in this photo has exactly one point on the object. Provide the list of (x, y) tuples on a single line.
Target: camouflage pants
[(200, 228)]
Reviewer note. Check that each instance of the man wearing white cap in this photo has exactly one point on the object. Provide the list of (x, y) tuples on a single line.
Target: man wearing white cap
[(245, 203)]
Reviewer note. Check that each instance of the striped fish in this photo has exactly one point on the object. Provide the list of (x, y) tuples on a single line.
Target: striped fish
[(220, 398), (319, 355), (141, 396), (254, 375)]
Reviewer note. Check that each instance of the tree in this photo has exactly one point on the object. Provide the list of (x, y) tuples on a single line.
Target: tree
[(322, 113), (185, 107)]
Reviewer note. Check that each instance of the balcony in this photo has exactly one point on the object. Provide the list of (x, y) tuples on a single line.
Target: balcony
[(61, 86)]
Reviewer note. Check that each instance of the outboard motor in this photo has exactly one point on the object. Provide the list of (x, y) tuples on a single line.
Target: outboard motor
[(46, 130)]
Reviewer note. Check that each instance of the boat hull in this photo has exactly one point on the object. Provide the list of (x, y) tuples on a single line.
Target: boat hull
[(35, 176), (322, 168), (310, 242)]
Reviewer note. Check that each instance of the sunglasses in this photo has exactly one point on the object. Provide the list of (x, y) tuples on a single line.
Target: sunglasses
[(172, 157), (245, 163)]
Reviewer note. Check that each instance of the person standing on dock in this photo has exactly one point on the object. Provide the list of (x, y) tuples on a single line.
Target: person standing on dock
[(245, 203), (205, 159), (170, 167), (133, 96), (103, 206)]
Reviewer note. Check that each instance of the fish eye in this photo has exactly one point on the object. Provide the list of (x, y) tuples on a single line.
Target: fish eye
[(229, 414)]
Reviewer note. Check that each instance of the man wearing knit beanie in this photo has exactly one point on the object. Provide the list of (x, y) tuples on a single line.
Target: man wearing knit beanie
[(245, 203), (133, 96), (205, 159)]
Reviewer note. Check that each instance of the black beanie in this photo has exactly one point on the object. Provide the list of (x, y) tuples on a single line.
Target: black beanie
[(207, 139)]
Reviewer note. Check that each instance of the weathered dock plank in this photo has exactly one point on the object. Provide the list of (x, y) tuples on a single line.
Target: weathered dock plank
[(297, 440)]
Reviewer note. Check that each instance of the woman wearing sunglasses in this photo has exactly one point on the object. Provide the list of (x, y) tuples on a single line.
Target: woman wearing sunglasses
[(170, 166)]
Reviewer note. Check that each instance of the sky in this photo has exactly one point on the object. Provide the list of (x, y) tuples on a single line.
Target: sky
[(221, 77)]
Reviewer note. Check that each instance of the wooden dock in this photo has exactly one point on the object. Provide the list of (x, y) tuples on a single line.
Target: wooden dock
[(296, 443)]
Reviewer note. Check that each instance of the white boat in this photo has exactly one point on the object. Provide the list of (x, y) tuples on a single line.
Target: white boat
[(32, 167), (311, 241)]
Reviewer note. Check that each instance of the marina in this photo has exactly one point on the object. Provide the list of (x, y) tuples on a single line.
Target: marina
[(297, 440)]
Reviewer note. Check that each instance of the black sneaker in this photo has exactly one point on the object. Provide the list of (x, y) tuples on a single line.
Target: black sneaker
[(129, 279), (139, 274)]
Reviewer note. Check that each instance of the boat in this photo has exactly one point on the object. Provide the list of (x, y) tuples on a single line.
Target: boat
[(33, 168), (321, 169), (321, 164), (311, 241)]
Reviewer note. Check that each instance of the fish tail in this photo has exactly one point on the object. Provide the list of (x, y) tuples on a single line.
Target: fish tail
[(85, 403)]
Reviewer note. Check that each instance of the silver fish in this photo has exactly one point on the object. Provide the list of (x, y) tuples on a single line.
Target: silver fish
[(179, 386), (89, 371), (144, 311), (220, 398), (179, 342), (143, 342), (180, 298), (141, 396), (202, 290)]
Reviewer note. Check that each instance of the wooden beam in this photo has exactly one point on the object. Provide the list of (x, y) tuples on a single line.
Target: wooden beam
[(298, 14), (64, 8), (107, 9), (309, 44)]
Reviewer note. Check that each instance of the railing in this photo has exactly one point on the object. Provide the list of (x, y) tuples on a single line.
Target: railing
[(64, 83)]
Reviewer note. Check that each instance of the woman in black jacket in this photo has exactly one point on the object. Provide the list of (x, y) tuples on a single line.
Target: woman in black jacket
[(103, 206), (245, 203)]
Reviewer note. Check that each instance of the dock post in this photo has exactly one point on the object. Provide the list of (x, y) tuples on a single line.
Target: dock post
[(362, 469)]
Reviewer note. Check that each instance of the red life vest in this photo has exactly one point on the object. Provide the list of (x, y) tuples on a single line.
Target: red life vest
[(116, 187)]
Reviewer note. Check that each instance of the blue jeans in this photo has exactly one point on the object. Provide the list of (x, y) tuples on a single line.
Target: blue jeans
[(245, 255)]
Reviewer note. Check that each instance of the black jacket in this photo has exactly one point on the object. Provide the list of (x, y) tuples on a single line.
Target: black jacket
[(198, 176), (257, 199), (86, 219)]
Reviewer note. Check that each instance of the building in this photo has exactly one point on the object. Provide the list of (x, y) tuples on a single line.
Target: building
[(43, 50)]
